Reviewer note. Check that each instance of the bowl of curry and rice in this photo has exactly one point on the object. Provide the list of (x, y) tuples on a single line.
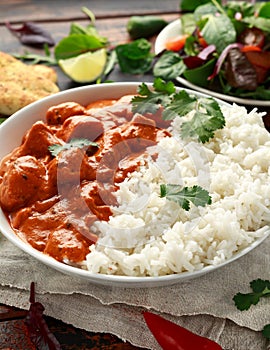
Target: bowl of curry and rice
[(95, 184)]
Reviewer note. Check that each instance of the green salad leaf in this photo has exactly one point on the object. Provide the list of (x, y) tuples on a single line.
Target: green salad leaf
[(219, 31), (169, 66)]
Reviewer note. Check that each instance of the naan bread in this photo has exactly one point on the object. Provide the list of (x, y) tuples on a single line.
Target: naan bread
[(22, 84)]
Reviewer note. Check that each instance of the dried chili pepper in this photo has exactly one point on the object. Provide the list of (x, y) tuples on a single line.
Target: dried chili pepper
[(170, 336), (38, 330)]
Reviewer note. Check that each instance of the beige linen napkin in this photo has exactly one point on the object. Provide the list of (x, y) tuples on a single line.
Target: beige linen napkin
[(203, 305)]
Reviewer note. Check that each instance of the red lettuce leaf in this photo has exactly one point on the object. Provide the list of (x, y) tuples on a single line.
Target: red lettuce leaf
[(31, 34)]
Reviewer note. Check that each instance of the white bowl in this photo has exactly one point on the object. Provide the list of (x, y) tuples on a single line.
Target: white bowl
[(172, 30), (11, 132)]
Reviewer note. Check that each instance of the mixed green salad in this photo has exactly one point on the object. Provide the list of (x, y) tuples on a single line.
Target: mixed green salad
[(222, 48)]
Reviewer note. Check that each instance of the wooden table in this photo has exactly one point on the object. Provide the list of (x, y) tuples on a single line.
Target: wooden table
[(56, 16)]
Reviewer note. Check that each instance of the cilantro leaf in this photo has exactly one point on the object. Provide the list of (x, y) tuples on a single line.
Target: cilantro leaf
[(244, 301), (184, 195), (73, 143), (266, 331), (260, 288), (181, 104), (149, 101), (206, 120)]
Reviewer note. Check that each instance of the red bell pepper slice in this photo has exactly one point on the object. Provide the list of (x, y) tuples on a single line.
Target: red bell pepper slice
[(170, 336)]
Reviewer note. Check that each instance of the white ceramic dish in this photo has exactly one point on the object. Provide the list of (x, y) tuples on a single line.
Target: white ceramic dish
[(11, 133), (172, 30)]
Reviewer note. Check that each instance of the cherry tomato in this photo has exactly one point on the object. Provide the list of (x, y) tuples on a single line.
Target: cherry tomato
[(176, 43), (248, 48)]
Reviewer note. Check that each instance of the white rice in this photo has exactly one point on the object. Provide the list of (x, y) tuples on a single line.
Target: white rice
[(151, 236)]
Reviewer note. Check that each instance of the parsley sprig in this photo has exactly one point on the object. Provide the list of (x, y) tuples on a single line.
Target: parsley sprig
[(207, 117), (73, 143), (184, 195), (243, 301)]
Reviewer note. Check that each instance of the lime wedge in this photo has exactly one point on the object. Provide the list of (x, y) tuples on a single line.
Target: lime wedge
[(86, 67)]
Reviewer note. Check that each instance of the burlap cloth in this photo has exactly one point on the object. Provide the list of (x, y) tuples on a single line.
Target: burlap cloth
[(204, 305)]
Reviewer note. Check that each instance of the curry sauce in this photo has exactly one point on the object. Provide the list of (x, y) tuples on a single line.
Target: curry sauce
[(52, 201)]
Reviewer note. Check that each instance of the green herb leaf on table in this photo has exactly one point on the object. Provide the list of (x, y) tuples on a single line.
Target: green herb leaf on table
[(36, 58), (135, 57), (266, 331), (73, 143), (260, 288), (80, 39), (76, 44), (184, 195)]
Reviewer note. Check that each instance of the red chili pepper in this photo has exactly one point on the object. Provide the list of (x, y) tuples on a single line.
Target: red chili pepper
[(170, 336)]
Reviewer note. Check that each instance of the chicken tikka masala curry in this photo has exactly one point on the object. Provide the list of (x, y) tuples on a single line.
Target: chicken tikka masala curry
[(52, 200)]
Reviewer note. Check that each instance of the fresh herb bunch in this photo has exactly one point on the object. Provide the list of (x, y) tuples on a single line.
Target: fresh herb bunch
[(243, 301), (224, 48), (207, 117)]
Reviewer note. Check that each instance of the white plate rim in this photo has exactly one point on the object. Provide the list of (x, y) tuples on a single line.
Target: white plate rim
[(103, 279), (173, 29)]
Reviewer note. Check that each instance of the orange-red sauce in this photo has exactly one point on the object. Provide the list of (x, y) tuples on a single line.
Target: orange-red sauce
[(52, 202)]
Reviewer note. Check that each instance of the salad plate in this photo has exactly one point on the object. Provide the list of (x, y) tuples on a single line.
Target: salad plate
[(172, 30)]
